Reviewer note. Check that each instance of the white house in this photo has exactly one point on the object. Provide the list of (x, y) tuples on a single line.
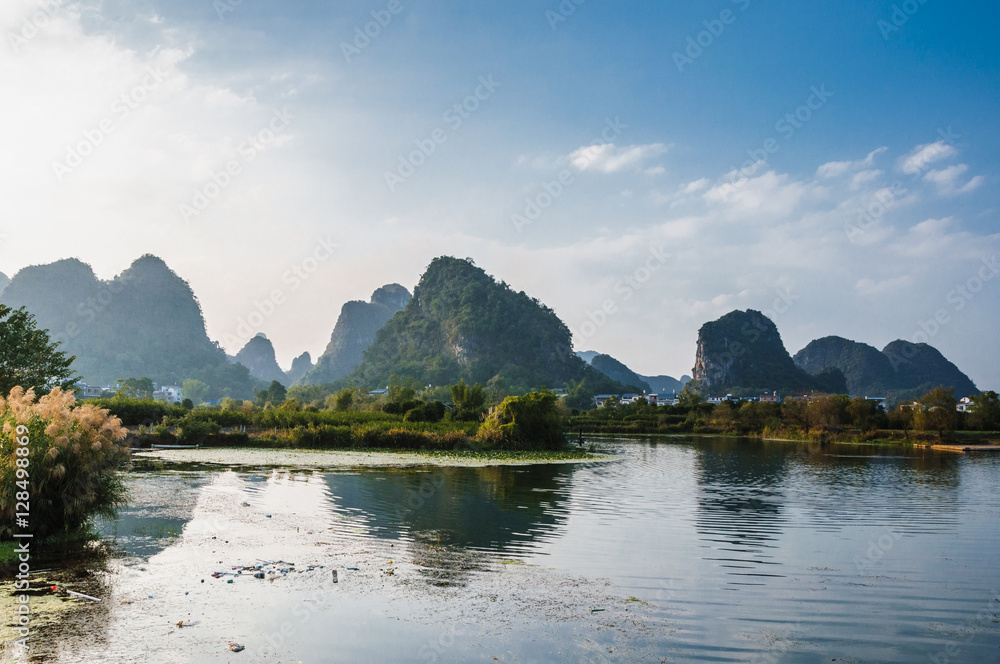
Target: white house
[(168, 393), (965, 405)]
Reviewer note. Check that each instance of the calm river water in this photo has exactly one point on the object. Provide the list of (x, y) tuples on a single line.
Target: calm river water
[(743, 551)]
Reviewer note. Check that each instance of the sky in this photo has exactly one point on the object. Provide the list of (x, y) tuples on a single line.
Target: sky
[(641, 168)]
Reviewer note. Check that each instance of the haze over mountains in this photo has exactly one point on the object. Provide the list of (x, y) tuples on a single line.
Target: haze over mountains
[(355, 332), (460, 323)]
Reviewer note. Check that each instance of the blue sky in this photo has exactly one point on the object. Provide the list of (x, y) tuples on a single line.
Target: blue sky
[(663, 216)]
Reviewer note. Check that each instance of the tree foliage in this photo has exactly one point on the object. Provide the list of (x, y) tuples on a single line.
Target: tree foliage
[(937, 411), (985, 413), (28, 358), (135, 388), (529, 422)]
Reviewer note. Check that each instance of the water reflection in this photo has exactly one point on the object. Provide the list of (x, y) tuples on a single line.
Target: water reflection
[(160, 504), (501, 509), (740, 507)]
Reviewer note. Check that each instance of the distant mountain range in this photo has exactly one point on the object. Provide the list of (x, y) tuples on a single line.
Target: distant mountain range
[(616, 370), (902, 370), (742, 352), (144, 322), (460, 323)]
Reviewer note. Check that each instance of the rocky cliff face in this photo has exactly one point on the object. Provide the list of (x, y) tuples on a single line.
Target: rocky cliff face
[(742, 351), (300, 367), (355, 332), (258, 357)]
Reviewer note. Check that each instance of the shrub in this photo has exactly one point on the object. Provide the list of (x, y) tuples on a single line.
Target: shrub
[(530, 422), (196, 431), (72, 465)]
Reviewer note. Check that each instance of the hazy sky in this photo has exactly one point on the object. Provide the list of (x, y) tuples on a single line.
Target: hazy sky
[(640, 167)]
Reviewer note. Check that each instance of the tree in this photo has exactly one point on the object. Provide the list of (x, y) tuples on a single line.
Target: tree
[(275, 394), (195, 390), (344, 399), (865, 414), (135, 388), (28, 358), (689, 397), (985, 414), (828, 411), (469, 401), (938, 411)]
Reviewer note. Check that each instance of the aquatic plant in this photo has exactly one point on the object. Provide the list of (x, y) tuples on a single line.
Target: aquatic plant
[(71, 471)]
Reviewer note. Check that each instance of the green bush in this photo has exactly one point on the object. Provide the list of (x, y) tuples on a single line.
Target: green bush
[(529, 422)]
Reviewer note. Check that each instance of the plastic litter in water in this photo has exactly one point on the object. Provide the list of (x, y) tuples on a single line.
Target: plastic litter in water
[(235, 647), (73, 592)]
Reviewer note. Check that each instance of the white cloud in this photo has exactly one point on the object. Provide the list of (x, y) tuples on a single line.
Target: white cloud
[(869, 287), (946, 180), (922, 156), (608, 158), (864, 177), (833, 169), (695, 186)]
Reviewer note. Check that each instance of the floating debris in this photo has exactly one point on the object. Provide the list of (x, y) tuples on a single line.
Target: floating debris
[(95, 599), (235, 647), (335, 576), (596, 610), (187, 623)]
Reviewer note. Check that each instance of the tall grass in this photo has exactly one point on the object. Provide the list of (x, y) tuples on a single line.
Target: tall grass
[(73, 462)]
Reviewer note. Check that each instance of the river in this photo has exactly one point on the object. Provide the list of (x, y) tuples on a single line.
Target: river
[(685, 549)]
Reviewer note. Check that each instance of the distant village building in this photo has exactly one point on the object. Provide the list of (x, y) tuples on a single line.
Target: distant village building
[(964, 405), (881, 402), (92, 391), (168, 393)]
